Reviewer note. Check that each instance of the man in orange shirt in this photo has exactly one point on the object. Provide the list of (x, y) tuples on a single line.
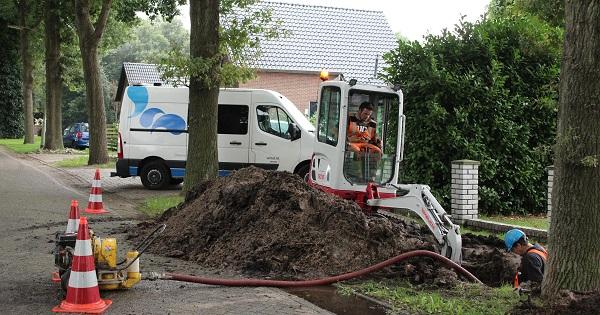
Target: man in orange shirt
[(533, 257), (362, 134)]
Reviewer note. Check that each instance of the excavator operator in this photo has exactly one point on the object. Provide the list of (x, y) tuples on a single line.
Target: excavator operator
[(362, 135), (533, 257)]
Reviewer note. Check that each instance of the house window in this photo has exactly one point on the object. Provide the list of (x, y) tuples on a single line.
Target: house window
[(329, 115), (232, 120), (273, 120)]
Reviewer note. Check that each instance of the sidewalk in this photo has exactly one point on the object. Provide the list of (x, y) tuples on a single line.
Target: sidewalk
[(120, 194)]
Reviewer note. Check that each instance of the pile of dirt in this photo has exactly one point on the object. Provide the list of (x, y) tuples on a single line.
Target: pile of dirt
[(272, 224)]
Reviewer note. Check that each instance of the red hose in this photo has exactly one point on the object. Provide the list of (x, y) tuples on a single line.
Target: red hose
[(323, 281)]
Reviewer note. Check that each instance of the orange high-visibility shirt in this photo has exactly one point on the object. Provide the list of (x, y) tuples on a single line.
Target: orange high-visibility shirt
[(362, 129)]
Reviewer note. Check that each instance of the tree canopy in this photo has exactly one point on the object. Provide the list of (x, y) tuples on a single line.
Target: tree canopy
[(148, 42)]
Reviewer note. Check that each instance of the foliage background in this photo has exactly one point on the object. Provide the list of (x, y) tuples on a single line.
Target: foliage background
[(487, 92), (11, 102)]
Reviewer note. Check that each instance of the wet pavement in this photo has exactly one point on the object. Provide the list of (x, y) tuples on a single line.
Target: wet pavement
[(327, 297)]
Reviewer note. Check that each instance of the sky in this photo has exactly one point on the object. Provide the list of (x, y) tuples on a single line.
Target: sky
[(411, 18)]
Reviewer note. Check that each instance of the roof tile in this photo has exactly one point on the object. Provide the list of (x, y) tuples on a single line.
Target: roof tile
[(339, 39)]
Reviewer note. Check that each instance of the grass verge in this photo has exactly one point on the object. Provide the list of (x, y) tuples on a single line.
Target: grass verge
[(538, 222), (155, 206), (465, 298), (82, 160), (18, 146), (475, 231)]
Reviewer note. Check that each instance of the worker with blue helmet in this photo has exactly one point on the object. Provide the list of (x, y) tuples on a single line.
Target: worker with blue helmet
[(533, 257)]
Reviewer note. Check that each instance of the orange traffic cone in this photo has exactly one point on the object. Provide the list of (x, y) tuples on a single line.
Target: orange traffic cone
[(83, 294), (73, 222), (72, 226), (55, 277), (95, 205)]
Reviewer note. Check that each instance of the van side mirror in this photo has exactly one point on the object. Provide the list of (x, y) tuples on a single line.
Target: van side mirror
[(65, 132), (295, 132)]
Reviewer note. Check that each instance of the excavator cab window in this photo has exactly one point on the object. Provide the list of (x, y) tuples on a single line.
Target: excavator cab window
[(329, 115), (371, 159)]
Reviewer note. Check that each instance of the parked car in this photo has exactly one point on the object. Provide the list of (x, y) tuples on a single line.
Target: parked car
[(77, 136)]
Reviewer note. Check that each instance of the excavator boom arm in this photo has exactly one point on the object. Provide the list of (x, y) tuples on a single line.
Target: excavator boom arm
[(418, 199)]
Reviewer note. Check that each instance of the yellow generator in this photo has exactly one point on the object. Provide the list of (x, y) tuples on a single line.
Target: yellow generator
[(112, 274)]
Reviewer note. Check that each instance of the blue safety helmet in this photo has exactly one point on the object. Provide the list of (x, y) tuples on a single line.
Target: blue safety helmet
[(512, 236)]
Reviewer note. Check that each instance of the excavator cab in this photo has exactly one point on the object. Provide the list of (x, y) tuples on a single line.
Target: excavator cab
[(357, 156), (371, 137), (345, 162)]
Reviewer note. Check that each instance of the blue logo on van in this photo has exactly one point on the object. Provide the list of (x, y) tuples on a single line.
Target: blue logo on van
[(139, 96), (153, 118)]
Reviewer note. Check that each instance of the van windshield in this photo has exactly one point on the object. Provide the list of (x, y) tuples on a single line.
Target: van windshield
[(297, 115)]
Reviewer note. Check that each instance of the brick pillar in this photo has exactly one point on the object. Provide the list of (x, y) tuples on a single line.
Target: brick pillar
[(550, 170), (464, 190)]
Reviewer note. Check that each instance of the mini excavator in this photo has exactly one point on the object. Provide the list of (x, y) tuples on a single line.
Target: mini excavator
[(368, 172)]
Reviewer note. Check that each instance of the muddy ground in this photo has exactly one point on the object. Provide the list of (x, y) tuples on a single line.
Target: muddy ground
[(567, 303), (271, 224)]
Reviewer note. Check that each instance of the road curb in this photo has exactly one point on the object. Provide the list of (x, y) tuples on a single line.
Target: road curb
[(82, 180), (501, 227), (86, 183), (383, 304)]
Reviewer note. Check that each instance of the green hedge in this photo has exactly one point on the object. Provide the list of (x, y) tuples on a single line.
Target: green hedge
[(11, 100), (485, 92)]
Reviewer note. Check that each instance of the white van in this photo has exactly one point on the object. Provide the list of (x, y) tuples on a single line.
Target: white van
[(256, 127)]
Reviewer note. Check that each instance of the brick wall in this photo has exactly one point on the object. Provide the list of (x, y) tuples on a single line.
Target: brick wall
[(300, 88)]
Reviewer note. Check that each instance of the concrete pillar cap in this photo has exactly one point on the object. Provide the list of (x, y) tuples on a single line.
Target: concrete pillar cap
[(467, 162)]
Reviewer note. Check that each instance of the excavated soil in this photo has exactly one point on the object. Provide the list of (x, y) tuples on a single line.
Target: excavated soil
[(272, 224), (581, 303), (486, 258)]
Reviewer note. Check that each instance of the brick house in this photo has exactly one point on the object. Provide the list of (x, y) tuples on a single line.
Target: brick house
[(342, 41)]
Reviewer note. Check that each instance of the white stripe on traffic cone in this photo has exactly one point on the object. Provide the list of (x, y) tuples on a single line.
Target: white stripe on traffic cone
[(95, 204), (83, 294)]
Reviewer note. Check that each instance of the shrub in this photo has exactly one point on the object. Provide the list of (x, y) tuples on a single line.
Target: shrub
[(487, 92)]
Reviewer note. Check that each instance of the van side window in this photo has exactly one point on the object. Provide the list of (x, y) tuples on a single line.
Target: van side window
[(232, 120), (329, 115), (273, 120)]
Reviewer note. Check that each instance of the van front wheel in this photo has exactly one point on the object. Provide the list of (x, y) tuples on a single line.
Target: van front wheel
[(155, 175)]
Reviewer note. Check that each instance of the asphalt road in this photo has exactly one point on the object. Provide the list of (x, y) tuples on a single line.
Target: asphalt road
[(34, 203)]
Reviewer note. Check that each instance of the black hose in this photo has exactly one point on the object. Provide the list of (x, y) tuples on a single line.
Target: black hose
[(144, 244)]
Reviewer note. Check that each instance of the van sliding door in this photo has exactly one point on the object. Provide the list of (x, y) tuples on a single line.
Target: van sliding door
[(233, 138)]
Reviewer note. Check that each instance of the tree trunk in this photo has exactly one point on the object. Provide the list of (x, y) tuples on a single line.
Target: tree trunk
[(89, 38), (53, 136), (95, 103), (26, 59), (202, 158), (574, 262)]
